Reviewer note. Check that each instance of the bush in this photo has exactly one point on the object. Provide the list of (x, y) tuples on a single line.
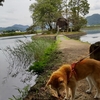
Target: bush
[(39, 66), (24, 54)]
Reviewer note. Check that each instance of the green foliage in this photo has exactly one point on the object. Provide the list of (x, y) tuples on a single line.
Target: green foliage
[(95, 27), (78, 8), (81, 22), (39, 66), (14, 34), (44, 12), (22, 93), (39, 45), (23, 55), (53, 31)]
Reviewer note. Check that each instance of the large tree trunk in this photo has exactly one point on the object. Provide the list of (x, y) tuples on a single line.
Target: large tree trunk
[(50, 26)]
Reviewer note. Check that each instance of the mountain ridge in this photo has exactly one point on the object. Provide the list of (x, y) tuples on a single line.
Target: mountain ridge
[(15, 27), (93, 19)]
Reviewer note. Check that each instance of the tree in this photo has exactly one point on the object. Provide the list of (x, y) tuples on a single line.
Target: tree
[(65, 8), (78, 9), (45, 12), (1, 2)]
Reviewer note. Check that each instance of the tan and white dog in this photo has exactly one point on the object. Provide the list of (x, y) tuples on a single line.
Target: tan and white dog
[(66, 77)]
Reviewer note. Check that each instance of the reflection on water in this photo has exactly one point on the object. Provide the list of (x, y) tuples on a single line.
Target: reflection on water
[(91, 36), (92, 31), (8, 89)]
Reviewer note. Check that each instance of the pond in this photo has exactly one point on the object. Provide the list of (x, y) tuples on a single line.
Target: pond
[(92, 36), (7, 88)]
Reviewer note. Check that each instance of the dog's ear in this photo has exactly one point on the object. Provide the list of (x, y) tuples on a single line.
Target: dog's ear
[(51, 90)]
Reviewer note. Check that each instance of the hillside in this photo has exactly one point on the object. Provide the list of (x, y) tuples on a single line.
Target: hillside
[(93, 19), (15, 27)]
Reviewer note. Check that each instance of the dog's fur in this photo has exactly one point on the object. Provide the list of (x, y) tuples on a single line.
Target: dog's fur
[(63, 78)]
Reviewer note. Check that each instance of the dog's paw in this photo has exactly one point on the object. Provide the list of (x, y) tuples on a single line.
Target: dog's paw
[(97, 97), (88, 91)]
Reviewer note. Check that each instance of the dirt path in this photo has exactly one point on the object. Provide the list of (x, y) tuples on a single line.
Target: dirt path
[(71, 51)]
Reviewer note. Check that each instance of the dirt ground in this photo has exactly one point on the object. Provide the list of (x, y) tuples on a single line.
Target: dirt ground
[(71, 51)]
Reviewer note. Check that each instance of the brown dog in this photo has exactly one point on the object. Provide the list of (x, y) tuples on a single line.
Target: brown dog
[(66, 78)]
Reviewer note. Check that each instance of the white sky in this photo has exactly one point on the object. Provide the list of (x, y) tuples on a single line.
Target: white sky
[(17, 12), (94, 7)]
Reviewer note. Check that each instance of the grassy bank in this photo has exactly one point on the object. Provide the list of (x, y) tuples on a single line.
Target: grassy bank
[(14, 34), (45, 51), (94, 27), (38, 91), (51, 57), (47, 58), (39, 53)]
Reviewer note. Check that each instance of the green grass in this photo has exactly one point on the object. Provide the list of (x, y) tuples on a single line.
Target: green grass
[(37, 52), (14, 34), (95, 27), (46, 56), (40, 51)]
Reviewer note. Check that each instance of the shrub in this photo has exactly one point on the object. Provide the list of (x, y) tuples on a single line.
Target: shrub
[(26, 53), (39, 66)]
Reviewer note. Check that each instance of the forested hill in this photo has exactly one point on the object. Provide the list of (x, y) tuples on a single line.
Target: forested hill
[(93, 19), (15, 27)]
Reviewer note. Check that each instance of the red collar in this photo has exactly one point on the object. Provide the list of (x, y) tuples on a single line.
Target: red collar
[(73, 72)]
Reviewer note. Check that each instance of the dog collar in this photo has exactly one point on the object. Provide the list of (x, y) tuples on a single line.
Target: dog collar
[(73, 70)]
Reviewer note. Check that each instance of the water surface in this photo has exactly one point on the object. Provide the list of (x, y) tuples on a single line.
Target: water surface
[(7, 89), (92, 36)]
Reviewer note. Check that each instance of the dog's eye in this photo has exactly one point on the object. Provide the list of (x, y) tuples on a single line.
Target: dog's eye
[(61, 81)]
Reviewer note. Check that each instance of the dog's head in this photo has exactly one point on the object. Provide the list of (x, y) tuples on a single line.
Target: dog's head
[(58, 82), (56, 85)]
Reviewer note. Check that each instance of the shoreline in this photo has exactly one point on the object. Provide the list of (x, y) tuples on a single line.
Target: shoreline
[(68, 52)]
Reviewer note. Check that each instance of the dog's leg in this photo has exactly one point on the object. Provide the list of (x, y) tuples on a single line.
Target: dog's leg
[(96, 82), (97, 85), (97, 95), (73, 93), (68, 94), (72, 86), (89, 80)]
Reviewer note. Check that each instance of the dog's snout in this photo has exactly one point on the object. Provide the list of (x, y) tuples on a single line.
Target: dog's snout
[(62, 95)]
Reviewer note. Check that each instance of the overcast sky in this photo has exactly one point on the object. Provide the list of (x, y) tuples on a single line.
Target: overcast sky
[(17, 12)]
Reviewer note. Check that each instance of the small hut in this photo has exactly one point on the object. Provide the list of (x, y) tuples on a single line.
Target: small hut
[(62, 24)]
